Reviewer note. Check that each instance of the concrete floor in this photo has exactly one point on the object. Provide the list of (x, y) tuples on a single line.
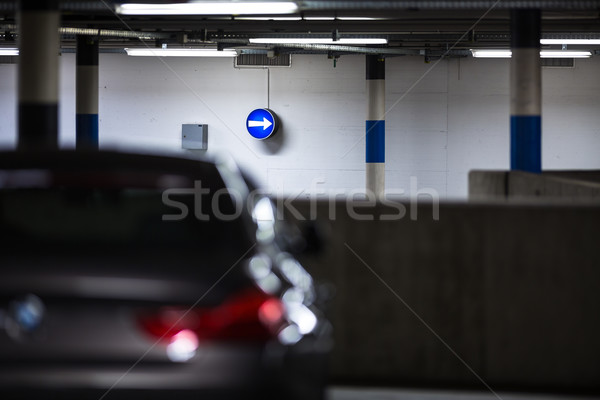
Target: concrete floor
[(349, 393)]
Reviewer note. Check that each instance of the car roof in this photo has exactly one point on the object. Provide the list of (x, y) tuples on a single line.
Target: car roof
[(105, 169), (105, 160)]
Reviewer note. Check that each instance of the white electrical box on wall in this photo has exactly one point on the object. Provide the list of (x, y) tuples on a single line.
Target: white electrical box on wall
[(194, 136)]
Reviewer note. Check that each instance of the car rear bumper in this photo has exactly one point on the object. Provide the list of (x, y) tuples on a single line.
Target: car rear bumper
[(248, 373), (145, 394)]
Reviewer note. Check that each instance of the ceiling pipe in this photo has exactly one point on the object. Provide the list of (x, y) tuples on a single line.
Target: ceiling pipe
[(326, 47), (337, 5), (106, 50), (319, 5), (89, 5), (108, 33), (350, 49), (114, 33), (316, 5), (383, 51)]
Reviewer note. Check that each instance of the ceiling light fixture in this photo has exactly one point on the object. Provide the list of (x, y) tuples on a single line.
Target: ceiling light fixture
[(268, 18), (181, 52), (359, 18), (9, 52), (504, 53), (491, 53), (565, 54), (317, 41), (570, 41), (210, 8), (319, 18)]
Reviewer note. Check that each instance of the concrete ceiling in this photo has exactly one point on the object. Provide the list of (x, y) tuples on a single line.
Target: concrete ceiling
[(418, 26)]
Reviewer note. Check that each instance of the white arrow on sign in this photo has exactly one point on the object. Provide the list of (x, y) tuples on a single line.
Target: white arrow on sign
[(265, 123)]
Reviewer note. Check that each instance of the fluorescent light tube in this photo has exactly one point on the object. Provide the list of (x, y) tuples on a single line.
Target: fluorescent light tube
[(358, 18), (141, 52), (342, 19), (504, 53), (9, 52), (268, 18), (565, 54), (319, 18), (209, 8), (570, 41), (491, 53), (317, 41)]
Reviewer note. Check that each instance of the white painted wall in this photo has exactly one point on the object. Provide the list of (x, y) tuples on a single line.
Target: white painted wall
[(444, 118)]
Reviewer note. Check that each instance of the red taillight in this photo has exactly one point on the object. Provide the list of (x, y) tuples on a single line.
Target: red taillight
[(251, 315)]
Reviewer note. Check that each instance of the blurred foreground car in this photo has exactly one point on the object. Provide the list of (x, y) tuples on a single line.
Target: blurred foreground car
[(136, 276)]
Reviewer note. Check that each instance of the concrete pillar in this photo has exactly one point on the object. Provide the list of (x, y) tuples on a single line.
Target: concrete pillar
[(39, 46), (86, 106), (375, 125), (525, 92)]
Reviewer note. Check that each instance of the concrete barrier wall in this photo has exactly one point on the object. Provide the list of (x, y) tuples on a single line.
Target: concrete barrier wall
[(580, 175), (508, 185), (524, 185), (505, 293), (488, 185)]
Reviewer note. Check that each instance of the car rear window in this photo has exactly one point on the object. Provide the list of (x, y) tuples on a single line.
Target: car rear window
[(77, 212)]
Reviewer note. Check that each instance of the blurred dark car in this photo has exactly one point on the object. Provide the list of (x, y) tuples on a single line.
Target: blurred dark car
[(138, 276)]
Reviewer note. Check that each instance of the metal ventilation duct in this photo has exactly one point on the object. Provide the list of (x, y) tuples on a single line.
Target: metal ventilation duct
[(8, 59), (263, 60), (558, 62)]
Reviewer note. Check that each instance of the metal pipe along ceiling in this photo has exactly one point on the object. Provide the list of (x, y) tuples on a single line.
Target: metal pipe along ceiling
[(309, 5), (350, 49), (114, 33)]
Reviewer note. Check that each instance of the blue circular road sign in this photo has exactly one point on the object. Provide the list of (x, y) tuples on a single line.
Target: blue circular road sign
[(262, 123)]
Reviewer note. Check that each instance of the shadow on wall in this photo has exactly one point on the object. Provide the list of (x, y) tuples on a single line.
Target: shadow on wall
[(275, 143), (511, 288)]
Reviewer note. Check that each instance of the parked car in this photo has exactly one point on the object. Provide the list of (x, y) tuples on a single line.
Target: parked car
[(125, 275)]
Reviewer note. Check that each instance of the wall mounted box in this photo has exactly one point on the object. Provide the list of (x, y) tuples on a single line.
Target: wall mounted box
[(194, 136)]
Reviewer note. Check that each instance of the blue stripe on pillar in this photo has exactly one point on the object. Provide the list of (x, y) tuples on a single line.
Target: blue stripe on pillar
[(375, 141), (526, 143), (86, 127)]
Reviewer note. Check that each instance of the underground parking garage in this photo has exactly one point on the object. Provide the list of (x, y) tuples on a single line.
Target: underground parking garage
[(303, 199)]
